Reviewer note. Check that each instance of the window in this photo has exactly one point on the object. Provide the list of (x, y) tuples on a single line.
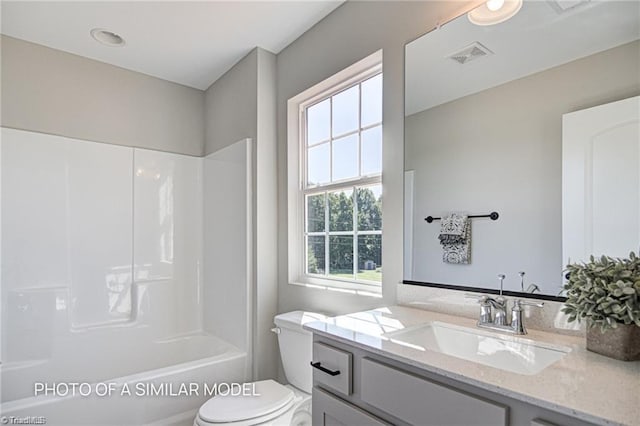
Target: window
[(340, 183)]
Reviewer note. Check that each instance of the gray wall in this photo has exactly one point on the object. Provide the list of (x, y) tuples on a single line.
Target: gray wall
[(50, 91), (350, 33), (242, 104), (266, 246), (501, 149), (231, 105)]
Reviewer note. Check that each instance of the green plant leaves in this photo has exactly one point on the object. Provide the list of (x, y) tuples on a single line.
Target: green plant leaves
[(605, 290)]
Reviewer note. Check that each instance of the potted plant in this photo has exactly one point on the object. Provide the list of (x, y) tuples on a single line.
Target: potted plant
[(606, 292)]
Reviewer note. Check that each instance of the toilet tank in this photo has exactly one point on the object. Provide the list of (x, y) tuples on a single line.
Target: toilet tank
[(296, 346)]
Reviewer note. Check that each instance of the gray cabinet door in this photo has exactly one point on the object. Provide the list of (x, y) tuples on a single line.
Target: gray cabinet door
[(419, 401), (328, 410)]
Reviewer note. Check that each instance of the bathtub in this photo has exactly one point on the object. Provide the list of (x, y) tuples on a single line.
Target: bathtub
[(198, 362)]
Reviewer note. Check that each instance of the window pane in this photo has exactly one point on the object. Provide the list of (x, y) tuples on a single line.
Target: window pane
[(319, 122), (341, 211), (346, 111), (372, 151), (341, 256), (369, 200), (318, 165), (315, 255), (345, 157), (370, 258), (315, 213), (372, 101)]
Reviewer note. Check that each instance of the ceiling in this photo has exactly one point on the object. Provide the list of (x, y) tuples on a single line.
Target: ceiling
[(539, 37), (191, 43)]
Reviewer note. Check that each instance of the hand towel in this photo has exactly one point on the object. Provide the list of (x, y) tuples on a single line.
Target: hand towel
[(455, 238), (453, 228)]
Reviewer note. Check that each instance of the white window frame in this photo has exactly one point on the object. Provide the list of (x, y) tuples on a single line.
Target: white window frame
[(296, 172)]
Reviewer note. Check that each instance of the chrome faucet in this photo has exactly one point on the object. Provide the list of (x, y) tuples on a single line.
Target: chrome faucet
[(499, 305), (498, 321), (516, 326)]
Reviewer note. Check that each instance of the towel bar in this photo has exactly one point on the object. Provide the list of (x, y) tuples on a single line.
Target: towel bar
[(492, 216)]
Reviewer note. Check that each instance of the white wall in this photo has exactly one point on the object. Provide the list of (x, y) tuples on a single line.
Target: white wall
[(507, 158), (51, 91), (350, 33)]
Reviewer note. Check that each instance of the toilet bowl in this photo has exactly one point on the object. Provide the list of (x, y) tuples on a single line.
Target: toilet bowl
[(271, 402)]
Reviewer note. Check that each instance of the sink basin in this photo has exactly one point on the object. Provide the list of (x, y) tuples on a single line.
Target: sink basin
[(510, 353)]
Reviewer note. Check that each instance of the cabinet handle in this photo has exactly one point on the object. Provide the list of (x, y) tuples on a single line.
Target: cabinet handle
[(323, 369)]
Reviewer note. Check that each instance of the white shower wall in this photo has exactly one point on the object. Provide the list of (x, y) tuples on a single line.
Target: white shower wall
[(167, 240), (227, 242), (103, 255), (66, 239)]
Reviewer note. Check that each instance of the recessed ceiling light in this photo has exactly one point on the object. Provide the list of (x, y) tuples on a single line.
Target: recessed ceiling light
[(494, 12), (107, 37)]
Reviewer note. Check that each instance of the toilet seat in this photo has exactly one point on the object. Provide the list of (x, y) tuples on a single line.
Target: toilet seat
[(273, 401)]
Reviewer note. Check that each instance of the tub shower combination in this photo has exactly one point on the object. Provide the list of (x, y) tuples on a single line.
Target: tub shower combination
[(121, 268)]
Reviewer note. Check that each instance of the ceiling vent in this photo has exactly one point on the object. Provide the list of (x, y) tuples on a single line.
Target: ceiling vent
[(469, 53), (562, 6)]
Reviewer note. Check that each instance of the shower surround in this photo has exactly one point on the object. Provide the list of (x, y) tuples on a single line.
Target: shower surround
[(118, 265)]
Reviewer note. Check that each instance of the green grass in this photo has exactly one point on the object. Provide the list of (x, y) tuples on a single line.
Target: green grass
[(362, 275)]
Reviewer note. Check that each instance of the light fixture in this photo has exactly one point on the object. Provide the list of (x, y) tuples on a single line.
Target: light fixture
[(494, 12), (106, 37), (494, 5)]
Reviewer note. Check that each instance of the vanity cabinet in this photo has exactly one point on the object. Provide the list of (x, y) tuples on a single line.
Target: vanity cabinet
[(329, 410), (376, 390)]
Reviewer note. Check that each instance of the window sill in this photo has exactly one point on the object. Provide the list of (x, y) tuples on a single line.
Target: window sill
[(342, 287)]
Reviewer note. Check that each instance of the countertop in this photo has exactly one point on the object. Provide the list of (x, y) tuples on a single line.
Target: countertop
[(582, 384)]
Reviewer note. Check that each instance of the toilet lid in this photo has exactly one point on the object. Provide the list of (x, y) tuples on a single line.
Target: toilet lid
[(228, 408)]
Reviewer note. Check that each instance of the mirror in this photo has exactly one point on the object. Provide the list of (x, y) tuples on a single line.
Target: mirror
[(484, 111)]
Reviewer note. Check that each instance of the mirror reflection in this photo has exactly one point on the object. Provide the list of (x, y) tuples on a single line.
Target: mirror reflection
[(528, 118)]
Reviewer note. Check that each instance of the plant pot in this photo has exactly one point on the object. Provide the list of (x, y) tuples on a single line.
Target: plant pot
[(622, 342)]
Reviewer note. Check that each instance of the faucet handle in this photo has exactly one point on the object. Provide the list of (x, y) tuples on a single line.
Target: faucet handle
[(532, 288), (519, 302), (517, 314), (501, 277), (481, 298), (485, 307)]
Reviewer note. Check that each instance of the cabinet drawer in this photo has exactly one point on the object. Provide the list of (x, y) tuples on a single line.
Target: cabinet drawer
[(327, 410), (418, 401), (332, 368)]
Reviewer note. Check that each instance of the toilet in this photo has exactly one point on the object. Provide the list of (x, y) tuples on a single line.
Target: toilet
[(277, 404)]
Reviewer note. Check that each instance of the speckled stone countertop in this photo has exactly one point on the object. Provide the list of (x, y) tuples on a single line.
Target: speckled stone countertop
[(582, 384)]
